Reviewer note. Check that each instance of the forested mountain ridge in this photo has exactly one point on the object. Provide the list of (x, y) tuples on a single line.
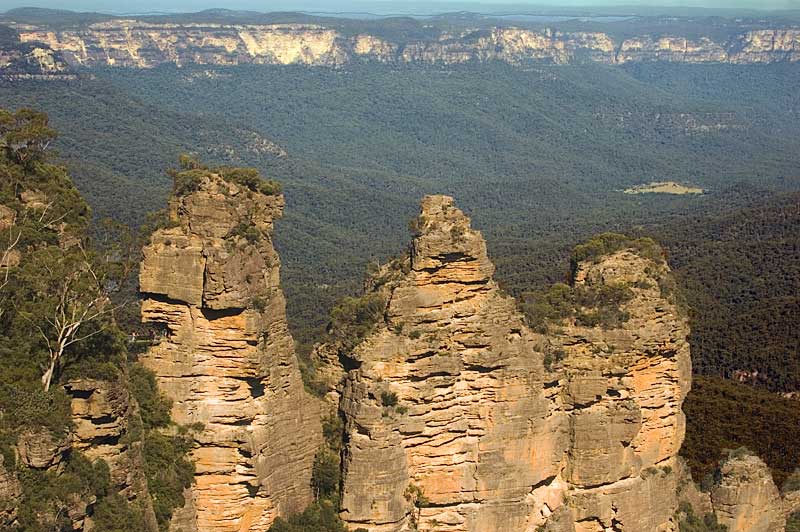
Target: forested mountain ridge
[(213, 39)]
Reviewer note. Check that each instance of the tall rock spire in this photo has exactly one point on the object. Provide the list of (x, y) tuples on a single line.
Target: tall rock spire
[(227, 359), (460, 418), (448, 423)]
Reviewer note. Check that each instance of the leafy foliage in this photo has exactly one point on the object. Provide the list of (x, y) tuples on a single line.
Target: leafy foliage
[(154, 407), (721, 415), (167, 469), (115, 514), (57, 322), (192, 172), (354, 318), (590, 305), (608, 243), (322, 516), (739, 272), (25, 135), (689, 522), (792, 483), (48, 494), (50, 277), (537, 184), (168, 472), (793, 522), (325, 475)]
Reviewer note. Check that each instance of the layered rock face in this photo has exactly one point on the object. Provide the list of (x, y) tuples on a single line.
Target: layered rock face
[(746, 499), (139, 44), (448, 399), (624, 387), (33, 62), (102, 412), (227, 359), (458, 417)]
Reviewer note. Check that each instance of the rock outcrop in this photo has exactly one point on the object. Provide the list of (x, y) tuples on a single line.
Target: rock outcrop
[(227, 360), (142, 44), (745, 499), (624, 387), (447, 404), (29, 60), (103, 413), (38, 448), (459, 417)]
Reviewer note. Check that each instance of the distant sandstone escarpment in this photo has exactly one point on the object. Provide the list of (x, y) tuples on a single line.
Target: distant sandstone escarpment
[(140, 44)]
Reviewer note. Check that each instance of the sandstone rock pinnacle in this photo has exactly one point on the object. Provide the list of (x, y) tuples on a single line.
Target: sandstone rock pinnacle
[(746, 498), (457, 418), (227, 359)]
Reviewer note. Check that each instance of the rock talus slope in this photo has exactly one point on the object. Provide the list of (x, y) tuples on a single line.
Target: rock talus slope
[(457, 418), (227, 359)]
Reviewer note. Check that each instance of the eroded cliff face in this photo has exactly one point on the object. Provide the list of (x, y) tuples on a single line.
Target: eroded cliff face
[(459, 417), (472, 429), (746, 499), (227, 359), (32, 61), (132, 43), (103, 413), (624, 387)]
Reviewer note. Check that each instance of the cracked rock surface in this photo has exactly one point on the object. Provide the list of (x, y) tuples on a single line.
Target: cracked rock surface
[(227, 359), (449, 398)]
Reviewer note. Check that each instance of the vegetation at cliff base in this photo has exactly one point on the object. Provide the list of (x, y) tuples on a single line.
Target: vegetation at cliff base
[(58, 325), (165, 447), (323, 514), (721, 415), (688, 521), (793, 522)]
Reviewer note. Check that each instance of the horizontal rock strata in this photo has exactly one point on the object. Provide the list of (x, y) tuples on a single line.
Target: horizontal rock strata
[(132, 43), (457, 417), (227, 359)]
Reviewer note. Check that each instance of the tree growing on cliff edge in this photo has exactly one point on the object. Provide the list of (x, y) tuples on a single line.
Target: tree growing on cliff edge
[(59, 290), (69, 304), (54, 286)]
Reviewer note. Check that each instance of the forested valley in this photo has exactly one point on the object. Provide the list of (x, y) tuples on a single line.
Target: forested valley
[(538, 156)]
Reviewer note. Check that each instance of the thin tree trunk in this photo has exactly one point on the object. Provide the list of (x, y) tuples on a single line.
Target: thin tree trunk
[(47, 378)]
